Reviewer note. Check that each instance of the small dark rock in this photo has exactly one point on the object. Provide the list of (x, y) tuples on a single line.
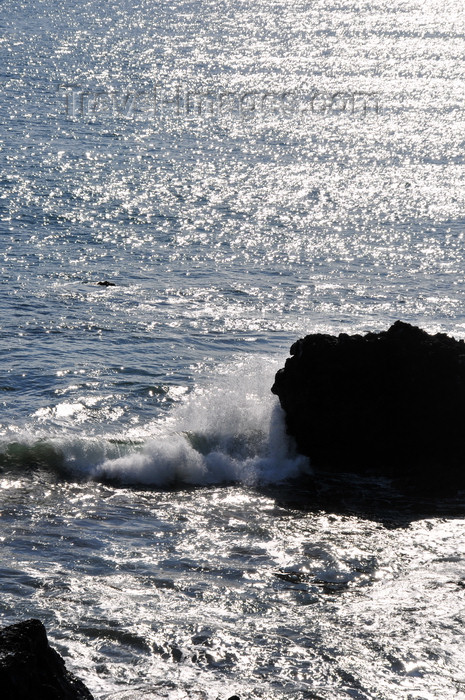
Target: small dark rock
[(389, 403), (31, 670), (203, 639), (106, 283), (291, 576)]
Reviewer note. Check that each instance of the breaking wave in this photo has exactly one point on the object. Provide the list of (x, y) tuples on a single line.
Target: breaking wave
[(228, 430)]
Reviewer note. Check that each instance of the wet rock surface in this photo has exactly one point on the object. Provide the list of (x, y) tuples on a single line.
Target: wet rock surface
[(31, 670), (389, 403)]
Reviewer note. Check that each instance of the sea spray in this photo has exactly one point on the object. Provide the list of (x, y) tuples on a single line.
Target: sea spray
[(227, 430)]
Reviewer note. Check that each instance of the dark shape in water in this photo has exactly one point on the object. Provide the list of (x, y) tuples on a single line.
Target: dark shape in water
[(389, 403), (106, 283), (31, 670)]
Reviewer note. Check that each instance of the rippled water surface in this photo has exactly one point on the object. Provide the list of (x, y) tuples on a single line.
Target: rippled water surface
[(243, 174), (215, 592)]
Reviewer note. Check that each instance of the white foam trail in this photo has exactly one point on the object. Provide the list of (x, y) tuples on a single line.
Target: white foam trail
[(232, 429)]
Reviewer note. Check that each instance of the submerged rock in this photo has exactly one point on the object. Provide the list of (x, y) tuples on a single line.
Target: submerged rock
[(389, 403), (31, 670)]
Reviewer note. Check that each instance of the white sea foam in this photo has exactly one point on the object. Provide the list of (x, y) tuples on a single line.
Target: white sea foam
[(230, 429)]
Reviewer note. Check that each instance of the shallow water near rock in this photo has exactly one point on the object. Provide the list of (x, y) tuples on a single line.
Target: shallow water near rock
[(240, 175), (217, 590)]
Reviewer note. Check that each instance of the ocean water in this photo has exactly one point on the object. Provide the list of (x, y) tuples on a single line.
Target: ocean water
[(243, 174)]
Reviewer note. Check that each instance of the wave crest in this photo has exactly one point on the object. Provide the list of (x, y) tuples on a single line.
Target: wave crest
[(228, 430)]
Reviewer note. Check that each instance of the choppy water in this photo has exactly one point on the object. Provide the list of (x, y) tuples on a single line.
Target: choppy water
[(244, 173)]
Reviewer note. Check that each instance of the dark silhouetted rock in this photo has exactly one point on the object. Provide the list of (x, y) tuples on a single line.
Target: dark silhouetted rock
[(389, 403), (106, 283), (31, 670)]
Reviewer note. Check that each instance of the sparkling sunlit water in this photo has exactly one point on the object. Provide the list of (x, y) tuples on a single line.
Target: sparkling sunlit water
[(244, 173)]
